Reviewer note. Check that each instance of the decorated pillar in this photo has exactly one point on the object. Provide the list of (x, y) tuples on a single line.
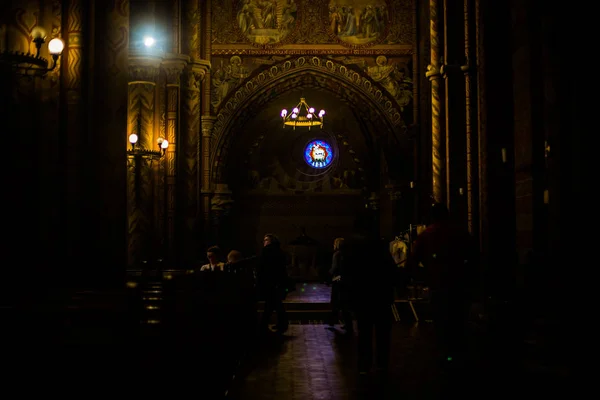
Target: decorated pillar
[(173, 66), (207, 127), (433, 73), (176, 27), (73, 73), (470, 139), (107, 186), (188, 182), (143, 76), (207, 120)]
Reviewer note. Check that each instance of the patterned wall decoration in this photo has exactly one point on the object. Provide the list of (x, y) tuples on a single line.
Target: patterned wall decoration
[(74, 51), (285, 24)]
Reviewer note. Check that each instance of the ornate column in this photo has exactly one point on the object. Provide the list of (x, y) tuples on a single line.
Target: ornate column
[(107, 187), (72, 71), (470, 139), (207, 120), (143, 71), (173, 66), (188, 163), (433, 73), (176, 27), (207, 127)]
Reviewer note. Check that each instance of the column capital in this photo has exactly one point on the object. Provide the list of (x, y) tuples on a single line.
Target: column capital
[(196, 70), (144, 67), (173, 65)]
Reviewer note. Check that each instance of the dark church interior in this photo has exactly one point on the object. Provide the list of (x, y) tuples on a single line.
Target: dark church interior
[(150, 138)]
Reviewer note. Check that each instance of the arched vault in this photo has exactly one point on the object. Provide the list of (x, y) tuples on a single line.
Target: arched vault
[(349, 85)]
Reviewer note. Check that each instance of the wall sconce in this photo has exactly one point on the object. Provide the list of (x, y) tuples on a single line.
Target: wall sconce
[(163, 145), (32, 65), (412, 184)]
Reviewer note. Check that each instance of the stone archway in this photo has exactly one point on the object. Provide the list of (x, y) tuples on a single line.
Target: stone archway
[(349, 84)]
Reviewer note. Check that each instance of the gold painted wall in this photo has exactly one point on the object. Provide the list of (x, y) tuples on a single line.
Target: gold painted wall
[(263, 51)]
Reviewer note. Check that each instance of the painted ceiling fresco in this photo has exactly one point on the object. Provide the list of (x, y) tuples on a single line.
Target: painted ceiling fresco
[(352, 23), (358, 21)]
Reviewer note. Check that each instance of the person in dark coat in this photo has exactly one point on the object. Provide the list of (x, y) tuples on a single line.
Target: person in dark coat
[(448, 255), (373, 275), (272, 279), (340, 287)]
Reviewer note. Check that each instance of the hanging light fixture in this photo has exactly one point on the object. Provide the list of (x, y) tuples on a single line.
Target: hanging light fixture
[(303, 115)]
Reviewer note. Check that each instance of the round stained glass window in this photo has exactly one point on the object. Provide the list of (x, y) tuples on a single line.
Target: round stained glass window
[(318, 154)]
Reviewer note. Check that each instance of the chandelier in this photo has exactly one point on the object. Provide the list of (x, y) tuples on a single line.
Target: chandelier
[(303, 115)]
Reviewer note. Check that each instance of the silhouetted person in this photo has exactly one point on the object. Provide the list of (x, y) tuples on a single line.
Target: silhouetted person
[(340, 288), (372, 271), (272, 279), (446, 251)]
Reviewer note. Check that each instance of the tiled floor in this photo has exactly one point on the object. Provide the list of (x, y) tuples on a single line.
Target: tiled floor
[(318, 362), (307, 292)]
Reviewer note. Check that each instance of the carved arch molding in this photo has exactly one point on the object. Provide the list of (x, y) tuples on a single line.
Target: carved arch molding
[(349, 85)]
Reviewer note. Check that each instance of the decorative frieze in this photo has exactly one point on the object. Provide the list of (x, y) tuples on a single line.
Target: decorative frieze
[(173, 66), (144, 68)]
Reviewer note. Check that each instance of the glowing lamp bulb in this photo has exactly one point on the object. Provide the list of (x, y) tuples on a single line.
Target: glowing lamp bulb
[(295, 110), (133, 138), (309, 116), (311, 110), (321, 113), (149, 41), (56, 46), (164, 145), (294, 115), (283, 113)]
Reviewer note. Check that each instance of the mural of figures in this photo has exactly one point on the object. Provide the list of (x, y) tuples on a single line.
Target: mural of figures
[(393, 78), (266, 21), (227, 77), (358, 21)]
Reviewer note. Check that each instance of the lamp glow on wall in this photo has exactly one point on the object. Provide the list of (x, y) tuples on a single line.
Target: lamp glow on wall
[(163, 145), (303, 115), (33, 65)]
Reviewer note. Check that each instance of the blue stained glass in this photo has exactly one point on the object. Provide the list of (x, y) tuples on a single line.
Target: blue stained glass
[(318, 154)]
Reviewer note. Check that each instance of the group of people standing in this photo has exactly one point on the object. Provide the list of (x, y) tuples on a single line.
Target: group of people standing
[(365, 278)]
